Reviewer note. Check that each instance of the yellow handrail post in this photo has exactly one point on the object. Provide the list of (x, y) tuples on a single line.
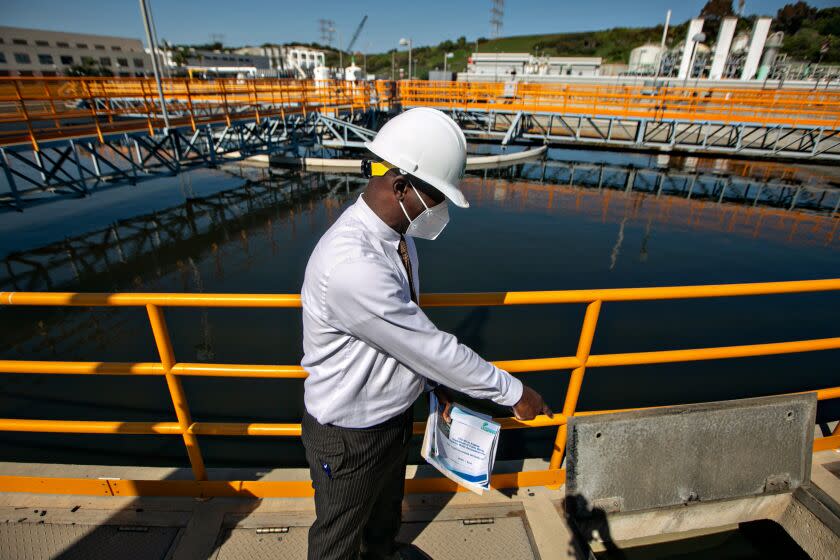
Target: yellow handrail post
[(92, 102), (147, 107), (176, 391), (190, 103), (25, 112), (53, 110), (587, 333), (224, 101), (256, 101)]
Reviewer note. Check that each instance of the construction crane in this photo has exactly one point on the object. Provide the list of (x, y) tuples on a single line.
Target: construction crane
[(356, 35)]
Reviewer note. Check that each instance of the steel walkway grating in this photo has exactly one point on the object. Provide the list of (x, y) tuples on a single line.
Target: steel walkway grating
[(247, 544), (39, 541), (503, 538)]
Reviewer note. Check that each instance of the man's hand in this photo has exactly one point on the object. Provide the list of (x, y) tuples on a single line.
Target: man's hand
[(442, 394), (530, 405)]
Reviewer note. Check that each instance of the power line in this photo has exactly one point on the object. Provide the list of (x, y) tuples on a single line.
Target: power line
[(327, 30)]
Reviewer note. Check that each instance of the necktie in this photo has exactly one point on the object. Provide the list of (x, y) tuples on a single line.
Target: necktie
[(403, 250)]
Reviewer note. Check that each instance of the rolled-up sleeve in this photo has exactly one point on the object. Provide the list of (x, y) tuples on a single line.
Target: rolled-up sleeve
[(364, 297)]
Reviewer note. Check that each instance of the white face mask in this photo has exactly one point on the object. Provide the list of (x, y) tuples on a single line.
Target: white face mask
[(429, 223)]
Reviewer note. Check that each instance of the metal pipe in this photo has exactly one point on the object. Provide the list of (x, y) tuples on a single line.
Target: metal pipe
[(662, 44), (164, 68), (153, 48)]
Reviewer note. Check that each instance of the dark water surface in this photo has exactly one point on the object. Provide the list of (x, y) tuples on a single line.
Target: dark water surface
[(527, 229)]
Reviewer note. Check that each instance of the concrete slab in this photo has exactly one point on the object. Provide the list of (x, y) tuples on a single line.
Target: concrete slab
[(500, 525), (668, 456)]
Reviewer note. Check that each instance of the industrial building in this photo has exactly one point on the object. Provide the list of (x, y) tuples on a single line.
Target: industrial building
[(38, 52), (261, 62), (294, 60), (743, 57), (519, 66), (217, 63)]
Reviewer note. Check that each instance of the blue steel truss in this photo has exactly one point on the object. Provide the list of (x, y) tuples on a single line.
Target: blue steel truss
[(80, 166), (744, 139)]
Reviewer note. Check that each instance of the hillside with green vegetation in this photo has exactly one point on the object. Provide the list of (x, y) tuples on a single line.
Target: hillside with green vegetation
[(807, 31), (811, 35)]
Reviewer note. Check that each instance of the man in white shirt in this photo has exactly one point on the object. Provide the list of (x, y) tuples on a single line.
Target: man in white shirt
[(369, 349)]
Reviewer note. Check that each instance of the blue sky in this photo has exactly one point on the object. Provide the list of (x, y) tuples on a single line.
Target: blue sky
[(425, 21)]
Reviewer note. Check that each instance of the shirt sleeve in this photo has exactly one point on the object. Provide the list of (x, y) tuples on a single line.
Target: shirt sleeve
[(365, 298)]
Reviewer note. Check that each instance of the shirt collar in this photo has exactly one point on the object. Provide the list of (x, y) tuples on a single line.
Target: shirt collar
[(373, 222)]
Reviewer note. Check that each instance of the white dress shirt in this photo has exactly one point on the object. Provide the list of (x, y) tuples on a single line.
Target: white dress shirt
[(367, 346)]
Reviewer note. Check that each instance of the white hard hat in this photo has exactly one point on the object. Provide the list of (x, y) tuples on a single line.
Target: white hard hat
[(428, 144)]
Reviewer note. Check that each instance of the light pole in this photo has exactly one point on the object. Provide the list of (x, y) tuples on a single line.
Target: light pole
[(445, 57), (699, 38), (144, 11), (662, 44), (407, 42)]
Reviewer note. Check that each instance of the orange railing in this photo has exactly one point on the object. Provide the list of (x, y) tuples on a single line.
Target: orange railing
[(765, 107), (34, 110), (189, 429)]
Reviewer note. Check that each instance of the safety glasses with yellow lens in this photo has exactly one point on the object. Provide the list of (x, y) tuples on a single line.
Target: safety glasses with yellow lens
[(372, 168)]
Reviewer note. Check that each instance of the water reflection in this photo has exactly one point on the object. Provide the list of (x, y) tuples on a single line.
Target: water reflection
[(227, 215), (762, 200), (569, 222), (674, 208)]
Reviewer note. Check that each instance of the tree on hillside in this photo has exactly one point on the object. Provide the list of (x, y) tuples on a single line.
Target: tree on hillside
[(790, 17), (713, 13), (717, 9)]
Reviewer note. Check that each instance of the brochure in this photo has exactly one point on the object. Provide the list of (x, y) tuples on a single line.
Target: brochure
[(463, 450)]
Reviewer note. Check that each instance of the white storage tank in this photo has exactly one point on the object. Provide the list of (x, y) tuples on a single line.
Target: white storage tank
[(645, 58), (740, 43), (321, 73), (353, 73)]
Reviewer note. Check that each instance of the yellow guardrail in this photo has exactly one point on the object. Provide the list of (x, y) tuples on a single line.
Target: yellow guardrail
[(40, 109), (795, 107), (34, 110), (189, 429)]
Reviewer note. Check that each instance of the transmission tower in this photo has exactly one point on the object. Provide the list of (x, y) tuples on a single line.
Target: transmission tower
[(327, 29), (497, 14)]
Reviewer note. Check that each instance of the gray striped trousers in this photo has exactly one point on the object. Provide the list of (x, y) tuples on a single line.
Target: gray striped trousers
[(358, 476)]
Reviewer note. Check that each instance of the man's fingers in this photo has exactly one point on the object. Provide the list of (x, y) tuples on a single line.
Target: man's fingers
[(446, 416)]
